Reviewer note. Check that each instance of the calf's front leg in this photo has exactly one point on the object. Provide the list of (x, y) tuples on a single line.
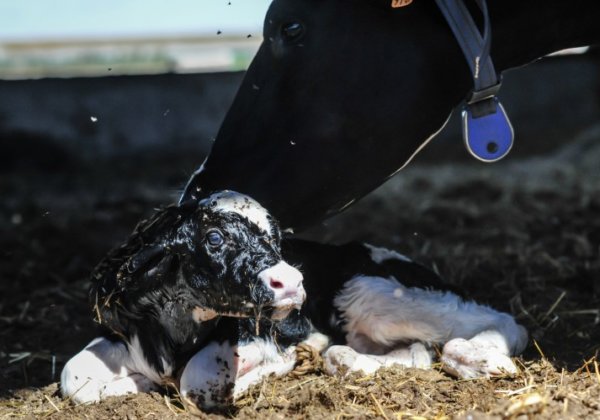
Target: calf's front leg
[(221, 372), (339, 360), (485, 355), (99, 371)]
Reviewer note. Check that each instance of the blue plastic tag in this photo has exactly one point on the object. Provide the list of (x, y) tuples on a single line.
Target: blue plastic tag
[(488, 137)]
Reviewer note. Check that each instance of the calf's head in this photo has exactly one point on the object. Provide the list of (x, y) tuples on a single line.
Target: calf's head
[(231, 254), (217, 256)]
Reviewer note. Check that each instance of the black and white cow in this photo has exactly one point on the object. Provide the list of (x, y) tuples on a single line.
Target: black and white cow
[(343, 94), (216, 325), (159, 296)]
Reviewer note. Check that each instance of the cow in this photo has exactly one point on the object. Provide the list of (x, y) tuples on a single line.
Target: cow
[(342, 94), (159, 295), (208, 297)]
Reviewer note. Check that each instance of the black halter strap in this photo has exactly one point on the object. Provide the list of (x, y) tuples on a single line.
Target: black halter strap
[(475, 46), (482, 101)]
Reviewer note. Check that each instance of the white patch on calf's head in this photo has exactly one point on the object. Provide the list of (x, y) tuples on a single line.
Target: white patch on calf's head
[(247, 207)]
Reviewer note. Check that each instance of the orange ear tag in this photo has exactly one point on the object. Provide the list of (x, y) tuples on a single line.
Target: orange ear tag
[(400, 3)]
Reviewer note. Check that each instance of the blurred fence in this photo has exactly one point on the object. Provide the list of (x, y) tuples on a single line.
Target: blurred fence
[(98, 57), (549, 102)]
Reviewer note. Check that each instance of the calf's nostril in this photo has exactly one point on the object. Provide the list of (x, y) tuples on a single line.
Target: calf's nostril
[(276, 284)]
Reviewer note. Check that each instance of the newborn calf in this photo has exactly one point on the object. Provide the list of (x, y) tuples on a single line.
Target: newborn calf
[(160, 295), (377, 308), (201, 297)]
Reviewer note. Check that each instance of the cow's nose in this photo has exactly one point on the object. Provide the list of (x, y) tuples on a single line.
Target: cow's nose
[(285, 282)]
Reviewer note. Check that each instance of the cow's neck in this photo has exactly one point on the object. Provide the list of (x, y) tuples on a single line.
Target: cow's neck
[(526, 30)]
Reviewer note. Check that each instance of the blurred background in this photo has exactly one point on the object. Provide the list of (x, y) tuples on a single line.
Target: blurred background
[(67, 38), (84, 80)]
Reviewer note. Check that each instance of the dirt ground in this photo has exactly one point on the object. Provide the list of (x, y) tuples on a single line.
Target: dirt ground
[(521, 235)]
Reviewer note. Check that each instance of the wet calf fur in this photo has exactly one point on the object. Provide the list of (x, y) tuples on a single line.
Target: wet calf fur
[(217, 330), (159, 296)]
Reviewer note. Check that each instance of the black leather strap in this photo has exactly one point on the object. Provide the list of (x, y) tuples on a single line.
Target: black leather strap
[(475, 46)]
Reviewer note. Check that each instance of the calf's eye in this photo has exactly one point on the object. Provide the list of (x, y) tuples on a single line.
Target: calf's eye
[(215, 238)]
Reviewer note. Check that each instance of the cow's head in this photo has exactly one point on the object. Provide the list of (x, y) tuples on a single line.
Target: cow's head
[(217, 256), (339, 96)]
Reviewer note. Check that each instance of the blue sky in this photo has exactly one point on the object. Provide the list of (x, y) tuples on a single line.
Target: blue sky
[(60, 19)]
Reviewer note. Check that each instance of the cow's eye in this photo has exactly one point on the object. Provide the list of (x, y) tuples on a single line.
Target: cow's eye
[(292, 31), (215, 238)]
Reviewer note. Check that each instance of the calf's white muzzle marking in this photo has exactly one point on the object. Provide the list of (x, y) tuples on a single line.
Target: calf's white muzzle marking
[(285, 282)]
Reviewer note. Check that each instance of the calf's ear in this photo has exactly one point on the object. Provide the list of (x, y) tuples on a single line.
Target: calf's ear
[(144, 259), (148, 266)]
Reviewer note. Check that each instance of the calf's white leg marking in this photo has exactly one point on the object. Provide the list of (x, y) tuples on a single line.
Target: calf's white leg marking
[(138, 363), (318, 341), (208, 377), (265, 359), (486, 354), (380, 313), (340, 360), (100, 370), (219, 373)]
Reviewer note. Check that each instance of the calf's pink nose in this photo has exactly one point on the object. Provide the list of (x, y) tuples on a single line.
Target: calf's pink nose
[(276, 284), (284, 281)]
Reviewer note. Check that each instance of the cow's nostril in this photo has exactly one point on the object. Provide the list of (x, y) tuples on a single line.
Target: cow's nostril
[(276, 284)]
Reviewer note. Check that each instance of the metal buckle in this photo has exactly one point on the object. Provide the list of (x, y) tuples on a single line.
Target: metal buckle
[(486, 93)]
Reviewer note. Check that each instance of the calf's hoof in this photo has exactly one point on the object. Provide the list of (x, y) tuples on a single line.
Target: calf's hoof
[(467, 360), (342, 360)]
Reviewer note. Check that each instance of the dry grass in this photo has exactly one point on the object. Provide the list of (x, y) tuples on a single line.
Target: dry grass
[(539, 389)]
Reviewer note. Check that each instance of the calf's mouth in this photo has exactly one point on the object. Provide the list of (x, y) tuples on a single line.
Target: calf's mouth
[(275, 311), (203, 314), (276, 291)]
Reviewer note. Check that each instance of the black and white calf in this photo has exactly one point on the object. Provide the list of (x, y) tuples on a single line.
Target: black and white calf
[(159, 296), (367, 308), (199, 296), (385, 309)]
